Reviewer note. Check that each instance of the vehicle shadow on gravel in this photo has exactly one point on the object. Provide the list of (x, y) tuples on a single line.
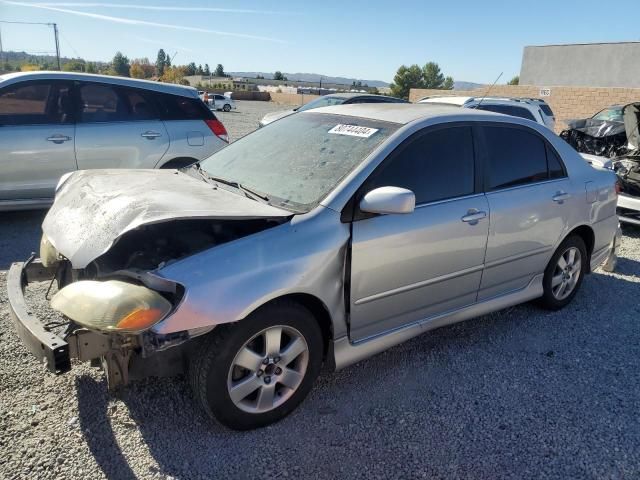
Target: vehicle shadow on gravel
[(550, 374), (20, 235)]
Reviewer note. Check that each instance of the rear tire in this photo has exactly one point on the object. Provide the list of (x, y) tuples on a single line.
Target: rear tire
[(564, 273), (255, 372), (227, 107)]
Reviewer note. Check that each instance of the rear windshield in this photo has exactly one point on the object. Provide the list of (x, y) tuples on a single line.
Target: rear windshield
[(322, 102), (297, 161)]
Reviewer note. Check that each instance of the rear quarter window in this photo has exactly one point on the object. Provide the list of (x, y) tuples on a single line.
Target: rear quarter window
[(546, 109), (175, 107)]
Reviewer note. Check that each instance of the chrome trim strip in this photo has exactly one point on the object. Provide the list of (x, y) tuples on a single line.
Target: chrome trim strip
[(518, 256), (449, 200), (525, 185), (414, 286), (346, 353)]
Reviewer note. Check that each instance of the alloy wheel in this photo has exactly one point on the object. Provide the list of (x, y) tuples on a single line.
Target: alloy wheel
[(268, 369), (567, 273)]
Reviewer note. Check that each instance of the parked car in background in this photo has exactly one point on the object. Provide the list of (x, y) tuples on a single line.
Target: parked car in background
[(328, 236), (52, 123), (534, 109), (329, 100), (611, 139), (221, 102)]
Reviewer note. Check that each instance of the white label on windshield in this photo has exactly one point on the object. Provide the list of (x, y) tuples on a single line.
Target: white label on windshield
[(353, 130)]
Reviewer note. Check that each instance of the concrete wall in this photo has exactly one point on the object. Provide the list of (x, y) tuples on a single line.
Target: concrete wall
[(291, 98), (587, 65), (566, 102)]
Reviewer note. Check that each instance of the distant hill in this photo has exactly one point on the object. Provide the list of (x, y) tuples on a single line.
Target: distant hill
[(312, 77), (466, 85)]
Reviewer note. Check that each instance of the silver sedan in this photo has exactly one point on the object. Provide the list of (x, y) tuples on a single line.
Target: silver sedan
[(328, 236)]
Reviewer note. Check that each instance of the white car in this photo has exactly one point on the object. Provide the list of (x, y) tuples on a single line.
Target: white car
[(221, 102), (534, 109)]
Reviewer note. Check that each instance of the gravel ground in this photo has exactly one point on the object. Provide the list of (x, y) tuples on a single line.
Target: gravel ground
[(521, 393)]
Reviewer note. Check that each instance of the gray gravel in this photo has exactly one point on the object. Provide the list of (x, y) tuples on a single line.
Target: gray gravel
[(522, 393)]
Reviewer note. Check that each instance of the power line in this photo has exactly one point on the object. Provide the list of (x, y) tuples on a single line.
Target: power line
[(55, 34), (26, 23)]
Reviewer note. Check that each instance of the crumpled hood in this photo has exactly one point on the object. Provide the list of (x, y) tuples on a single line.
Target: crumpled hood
[(94, 208), (631, 114), (272, 117)]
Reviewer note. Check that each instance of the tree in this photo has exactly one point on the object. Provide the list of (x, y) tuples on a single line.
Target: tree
[(92, 67), (207, 72), (278, 75), (190, 69), (514, 81), (259, 77), (136, 70), (161, 60), (74, 66), (219, 72), (167, 61), (405, 79), (199, 70), (432, 76), (173, 74), (448, 84), (120, 65)]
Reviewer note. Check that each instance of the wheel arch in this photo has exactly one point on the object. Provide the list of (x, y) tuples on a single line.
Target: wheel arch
[(178, 162), (588, 236)]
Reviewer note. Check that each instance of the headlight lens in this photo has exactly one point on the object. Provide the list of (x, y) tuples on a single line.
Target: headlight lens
[(111, 306), (48, 253)]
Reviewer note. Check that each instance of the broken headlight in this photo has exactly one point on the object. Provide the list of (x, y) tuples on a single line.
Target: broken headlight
[(111, 306)]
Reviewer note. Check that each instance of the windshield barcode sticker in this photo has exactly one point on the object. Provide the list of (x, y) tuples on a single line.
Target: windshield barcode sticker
[(353, 130)]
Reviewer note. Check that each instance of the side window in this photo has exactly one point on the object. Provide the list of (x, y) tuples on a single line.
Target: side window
[(174, 107), (35, 103), (435, 166), (508, 110), (556, 169), (139, 104), (514, 157), (100, 103)]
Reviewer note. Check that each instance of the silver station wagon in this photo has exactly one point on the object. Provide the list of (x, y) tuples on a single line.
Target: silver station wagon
[(52, 123), (328, 236)]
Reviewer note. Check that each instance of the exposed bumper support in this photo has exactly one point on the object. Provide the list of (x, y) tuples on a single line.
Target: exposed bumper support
[(629, 209), (46, 346)]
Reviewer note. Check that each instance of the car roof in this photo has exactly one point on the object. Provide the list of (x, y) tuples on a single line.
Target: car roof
[(349, 95), (448, 99), (171, 88), (460, 101), (401, 113)]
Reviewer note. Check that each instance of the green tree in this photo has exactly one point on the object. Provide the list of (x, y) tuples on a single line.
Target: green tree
[(432, 76), (514, 81), (278, 75), (161, 60), (199, 70), (405, 79), (448, 83), (120, 65), (136, 70), (92, 67), (207, 72), (219, 72), (74, 66), (190, 69)]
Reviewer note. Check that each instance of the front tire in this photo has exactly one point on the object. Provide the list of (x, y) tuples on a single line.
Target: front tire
[(227, 107), (255, 372), (564, 273)]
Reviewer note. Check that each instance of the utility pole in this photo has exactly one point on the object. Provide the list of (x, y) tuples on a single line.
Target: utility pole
[(1, 52), (55, 34)]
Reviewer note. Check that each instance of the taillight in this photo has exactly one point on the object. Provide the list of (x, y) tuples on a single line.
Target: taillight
[(618, 188), (218, 129)]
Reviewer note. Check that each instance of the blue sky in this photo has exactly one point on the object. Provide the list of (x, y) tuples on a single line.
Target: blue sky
[(471, 40)]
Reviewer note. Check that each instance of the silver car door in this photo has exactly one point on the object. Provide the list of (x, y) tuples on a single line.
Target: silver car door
[(36, 138), (414, 266), (118, 128), (530, 199)]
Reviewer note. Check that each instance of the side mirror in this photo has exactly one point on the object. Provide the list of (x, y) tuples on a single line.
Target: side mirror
[(388, 200)]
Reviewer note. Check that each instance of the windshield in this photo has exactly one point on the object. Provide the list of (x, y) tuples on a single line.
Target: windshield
[(296, 162), (613, 114), (321, 102)]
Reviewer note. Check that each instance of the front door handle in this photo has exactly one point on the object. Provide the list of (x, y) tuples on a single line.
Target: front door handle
[(150, 135), (473, 216), (58, 138), (560, 197)]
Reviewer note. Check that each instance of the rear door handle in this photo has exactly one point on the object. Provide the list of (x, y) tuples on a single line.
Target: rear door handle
[(58, 138), (150, 135), (560, 197), (473, 216)]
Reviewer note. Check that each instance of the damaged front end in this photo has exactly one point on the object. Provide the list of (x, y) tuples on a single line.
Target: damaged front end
[(109, 293)]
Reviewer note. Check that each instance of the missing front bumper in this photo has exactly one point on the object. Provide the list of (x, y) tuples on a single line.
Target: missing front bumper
[(43, 344)]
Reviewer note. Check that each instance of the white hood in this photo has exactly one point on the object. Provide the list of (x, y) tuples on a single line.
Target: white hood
[(93, 208)]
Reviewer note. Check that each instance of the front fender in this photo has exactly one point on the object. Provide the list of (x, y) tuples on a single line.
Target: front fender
[(226, 283)]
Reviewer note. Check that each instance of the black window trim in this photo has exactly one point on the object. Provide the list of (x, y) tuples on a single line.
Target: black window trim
[(351, 211), (482, 153), (38, 81)]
